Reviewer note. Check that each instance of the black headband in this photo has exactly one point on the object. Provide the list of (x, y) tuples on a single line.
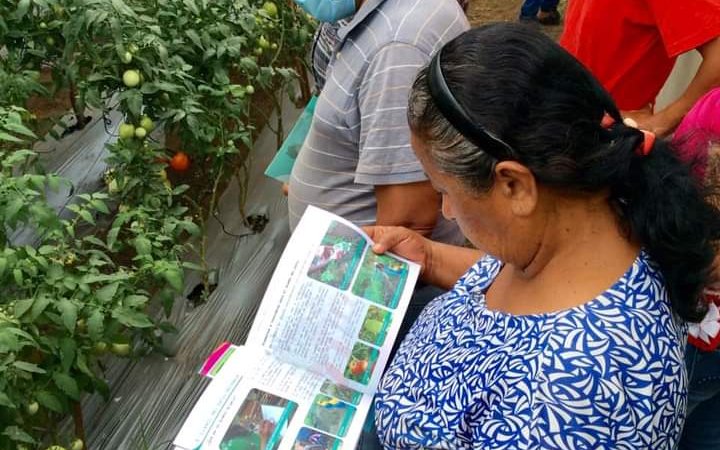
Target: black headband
[(453, 111)]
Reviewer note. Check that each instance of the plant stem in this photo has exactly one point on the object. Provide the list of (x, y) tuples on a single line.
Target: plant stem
[(77, 110), (79, 425)]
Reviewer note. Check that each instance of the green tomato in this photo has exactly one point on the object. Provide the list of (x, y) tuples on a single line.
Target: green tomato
[(43, 25), (274, 46), (258, 51), (271, 8), (250, 89), (50, 41), (113, 187), (120, 349), (56, 447), (32, 408), (77, 444), (263, 42), (133, 48), (140, 132), (126, 58), (147, 123), (100, 347), (131, 78), (126, 131)]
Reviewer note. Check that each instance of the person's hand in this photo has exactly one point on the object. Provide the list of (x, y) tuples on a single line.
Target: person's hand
[(402, 241), (638, 115), (285, 189), (661, 123)]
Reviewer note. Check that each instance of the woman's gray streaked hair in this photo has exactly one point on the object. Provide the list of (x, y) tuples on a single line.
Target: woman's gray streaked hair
[(449, 149)]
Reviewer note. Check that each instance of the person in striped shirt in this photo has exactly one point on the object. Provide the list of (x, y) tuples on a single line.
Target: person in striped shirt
[(324, 41), (356, 160)]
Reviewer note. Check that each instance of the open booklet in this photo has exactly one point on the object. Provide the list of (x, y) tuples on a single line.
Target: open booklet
[(306, 376)]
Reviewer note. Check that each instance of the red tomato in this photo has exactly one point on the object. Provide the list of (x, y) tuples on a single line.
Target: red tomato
[(358, 367), (180, 162)]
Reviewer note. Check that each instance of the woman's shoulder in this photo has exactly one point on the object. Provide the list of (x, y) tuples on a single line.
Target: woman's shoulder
[(480, 275), (631, 321)]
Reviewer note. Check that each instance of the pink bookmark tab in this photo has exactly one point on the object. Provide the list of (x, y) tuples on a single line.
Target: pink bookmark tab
[(214, 357)]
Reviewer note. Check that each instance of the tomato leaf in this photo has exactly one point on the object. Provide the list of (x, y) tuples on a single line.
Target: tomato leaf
[(22, 306), (39, 306), (95, 324), (174, 278), (135, 301), (28, 367), (68, 348), (18, 435), (132, 318), (142, 245), (49, 401), (81, 364), (67, 384), (107, 292), (68, 313), (5, 400)]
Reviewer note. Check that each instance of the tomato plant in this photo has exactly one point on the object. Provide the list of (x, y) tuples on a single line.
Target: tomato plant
[(79, 291)]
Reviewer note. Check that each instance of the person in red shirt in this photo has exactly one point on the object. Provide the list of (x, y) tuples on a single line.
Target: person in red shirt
[(631, 47)]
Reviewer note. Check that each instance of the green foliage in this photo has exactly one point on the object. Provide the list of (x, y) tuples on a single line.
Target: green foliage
[(83, 288)]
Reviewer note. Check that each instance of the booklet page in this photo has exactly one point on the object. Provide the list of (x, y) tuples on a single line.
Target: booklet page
[(316, 351), (333, 305), (257, 402)]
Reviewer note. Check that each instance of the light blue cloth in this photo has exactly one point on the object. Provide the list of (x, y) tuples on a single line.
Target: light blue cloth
[(607, 374), (281, 166)]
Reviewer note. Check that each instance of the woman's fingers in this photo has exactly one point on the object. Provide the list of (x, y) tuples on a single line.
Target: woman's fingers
[(386, 238)]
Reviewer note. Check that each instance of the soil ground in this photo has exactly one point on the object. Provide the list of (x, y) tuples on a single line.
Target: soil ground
[(484, 11)]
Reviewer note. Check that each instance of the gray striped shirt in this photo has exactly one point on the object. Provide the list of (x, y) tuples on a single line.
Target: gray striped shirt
[(359, 137)]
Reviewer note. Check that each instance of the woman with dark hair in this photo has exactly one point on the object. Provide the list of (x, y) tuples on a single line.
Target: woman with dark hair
[(567, 332)]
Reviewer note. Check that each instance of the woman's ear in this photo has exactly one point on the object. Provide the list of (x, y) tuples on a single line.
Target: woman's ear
[(516, 184)]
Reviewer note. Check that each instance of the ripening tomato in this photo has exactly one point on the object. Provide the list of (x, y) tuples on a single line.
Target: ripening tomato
[(180, 162), (358, 367)]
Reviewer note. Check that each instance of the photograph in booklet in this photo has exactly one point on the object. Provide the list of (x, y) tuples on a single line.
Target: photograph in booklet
[(308, 439), (260, 422), (361, 364), (330, 415), (337, 257), (375, 326), (381, 279), (345, 394)]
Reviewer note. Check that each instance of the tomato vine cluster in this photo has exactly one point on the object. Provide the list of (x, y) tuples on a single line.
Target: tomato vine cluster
[(185, 75)]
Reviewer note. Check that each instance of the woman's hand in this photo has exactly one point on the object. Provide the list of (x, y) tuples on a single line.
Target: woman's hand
[(404, 242)]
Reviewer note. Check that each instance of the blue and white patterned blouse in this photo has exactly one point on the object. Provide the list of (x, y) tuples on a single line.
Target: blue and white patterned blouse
[(608, 374)]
